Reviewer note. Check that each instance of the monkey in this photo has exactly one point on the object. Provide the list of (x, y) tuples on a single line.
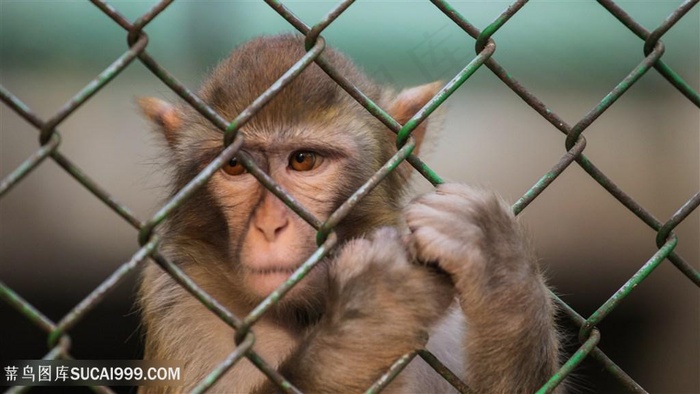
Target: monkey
[(452, 265)]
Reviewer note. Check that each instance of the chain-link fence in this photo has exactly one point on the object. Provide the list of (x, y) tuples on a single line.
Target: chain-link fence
[(575, 144)]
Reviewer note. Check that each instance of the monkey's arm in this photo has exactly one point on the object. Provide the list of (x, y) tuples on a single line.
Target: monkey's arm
[(380, 307), (511, 343)]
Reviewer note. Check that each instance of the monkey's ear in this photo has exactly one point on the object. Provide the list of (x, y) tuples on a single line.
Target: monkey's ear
[(164, 115), (408, 102)]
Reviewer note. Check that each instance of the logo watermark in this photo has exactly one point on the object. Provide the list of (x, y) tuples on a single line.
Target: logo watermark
[(91, 373)]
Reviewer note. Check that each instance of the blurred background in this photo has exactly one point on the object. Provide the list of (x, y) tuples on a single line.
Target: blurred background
[(58, 242)]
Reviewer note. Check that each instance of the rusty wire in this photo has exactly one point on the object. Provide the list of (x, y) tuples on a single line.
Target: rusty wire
[(49, 147)]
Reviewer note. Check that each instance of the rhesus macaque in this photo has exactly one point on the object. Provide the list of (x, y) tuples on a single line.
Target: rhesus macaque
[(400, 272)]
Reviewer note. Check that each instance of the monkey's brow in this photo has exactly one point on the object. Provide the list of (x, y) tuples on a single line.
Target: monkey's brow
[(323, 147), (206, 155)]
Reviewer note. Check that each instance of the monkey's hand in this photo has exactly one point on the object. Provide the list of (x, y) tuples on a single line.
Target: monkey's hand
[(375, 280), (472, 234), (380, 307)]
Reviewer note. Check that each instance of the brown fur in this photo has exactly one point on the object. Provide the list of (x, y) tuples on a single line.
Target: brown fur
[(344, 324), (472, 234)]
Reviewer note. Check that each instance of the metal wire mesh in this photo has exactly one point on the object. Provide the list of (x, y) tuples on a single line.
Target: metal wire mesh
[(589, 335)]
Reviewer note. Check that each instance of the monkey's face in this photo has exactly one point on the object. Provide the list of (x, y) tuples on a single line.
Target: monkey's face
[(312, 138), (267, 240)]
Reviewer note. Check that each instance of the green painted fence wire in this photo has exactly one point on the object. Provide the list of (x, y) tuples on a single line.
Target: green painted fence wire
[(650, 46)]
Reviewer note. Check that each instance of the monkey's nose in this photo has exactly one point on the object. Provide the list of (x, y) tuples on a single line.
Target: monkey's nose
[(272, 227), (271, 218)]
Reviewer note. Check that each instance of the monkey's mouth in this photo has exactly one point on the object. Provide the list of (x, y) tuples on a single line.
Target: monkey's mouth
[(266, 276), (271, 270), (279, 269), (264, 280)]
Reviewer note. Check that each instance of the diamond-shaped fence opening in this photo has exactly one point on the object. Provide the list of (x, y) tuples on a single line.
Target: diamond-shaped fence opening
[(483, 61)]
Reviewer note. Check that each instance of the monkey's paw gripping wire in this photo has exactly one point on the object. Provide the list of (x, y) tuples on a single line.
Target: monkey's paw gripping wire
[(575, 144)]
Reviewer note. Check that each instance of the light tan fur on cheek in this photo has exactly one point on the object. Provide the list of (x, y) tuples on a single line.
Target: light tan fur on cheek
[(261, 264), (313, 192), (235, 199)]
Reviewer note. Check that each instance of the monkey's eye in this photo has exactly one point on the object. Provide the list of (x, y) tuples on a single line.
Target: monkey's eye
[(233, 167), (304, 160)]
